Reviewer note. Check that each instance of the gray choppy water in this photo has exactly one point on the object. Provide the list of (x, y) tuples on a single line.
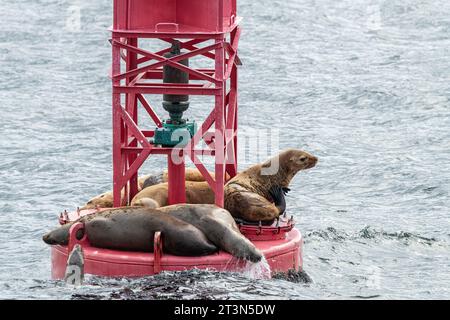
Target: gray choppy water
[(362, 84)]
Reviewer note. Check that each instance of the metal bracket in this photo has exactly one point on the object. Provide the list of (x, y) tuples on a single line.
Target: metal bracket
[(73, 240)]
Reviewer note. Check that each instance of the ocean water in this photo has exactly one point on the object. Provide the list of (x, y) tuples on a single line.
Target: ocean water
[(364, 85)]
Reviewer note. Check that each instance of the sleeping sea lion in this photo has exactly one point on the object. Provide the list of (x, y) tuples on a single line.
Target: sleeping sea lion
[(196, 193), (106, 200), (133, 229), (219, 227), (188, 230), (191, 174)]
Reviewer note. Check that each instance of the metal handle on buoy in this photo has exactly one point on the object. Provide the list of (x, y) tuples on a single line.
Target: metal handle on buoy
[(166, 24), (157, 252), (232, 19), (73, 236)]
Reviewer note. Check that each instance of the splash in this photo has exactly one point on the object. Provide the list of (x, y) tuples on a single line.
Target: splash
[(259, 270)]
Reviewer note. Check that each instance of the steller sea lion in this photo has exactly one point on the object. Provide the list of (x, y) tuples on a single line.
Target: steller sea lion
[(219, 227), (191, 174), (106, 200), (133, 229), (196, 193), (75, 267), (253, 196)]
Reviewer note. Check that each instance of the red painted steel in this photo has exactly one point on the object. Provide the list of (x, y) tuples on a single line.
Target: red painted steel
[(277, 231), (137, 72), (208, 29), (176, 180)]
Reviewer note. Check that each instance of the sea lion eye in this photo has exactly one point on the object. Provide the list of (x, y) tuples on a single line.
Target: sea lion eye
[(303, 159)]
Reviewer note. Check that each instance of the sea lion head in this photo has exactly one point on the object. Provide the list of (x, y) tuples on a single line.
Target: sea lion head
[(295, 160), (152, 180), (104, 200), (147, 203), (58, 236), (289, 162)]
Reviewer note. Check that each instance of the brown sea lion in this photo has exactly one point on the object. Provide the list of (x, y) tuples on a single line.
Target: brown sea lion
[(106, 200), (133, 229), (196, 193), (255, 196), (191, 174)]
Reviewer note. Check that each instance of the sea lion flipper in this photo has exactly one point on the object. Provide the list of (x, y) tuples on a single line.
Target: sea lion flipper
[(219, 227), (277, 194), (153, 179), (250, 206)]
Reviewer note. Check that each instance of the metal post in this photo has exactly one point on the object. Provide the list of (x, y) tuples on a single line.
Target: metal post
[(176, 179), (220, 126), (131, 102), (117, 129)]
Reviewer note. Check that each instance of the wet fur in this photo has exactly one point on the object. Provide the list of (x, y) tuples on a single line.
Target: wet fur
[(248, 195), (196, 193), (187, 230), (106, 200), (133, 229), (219, 227)]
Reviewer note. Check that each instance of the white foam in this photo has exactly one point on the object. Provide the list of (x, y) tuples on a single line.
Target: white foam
[(259, 270)]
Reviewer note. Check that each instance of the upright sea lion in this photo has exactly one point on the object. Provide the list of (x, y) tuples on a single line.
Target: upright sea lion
[(133, 229), (251, 194), (196, 193), (75, 267), (106, 200), (219, 227)]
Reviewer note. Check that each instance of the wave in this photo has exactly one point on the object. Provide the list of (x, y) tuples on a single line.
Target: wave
[(370, 233)]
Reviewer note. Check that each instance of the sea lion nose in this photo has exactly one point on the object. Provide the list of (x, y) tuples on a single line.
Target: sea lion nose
[(47, 239), (312, 162)]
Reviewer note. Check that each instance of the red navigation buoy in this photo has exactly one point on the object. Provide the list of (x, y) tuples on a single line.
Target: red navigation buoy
[(189, 28)]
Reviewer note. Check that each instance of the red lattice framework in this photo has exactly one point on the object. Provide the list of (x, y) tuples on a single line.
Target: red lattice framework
[(142, 75)]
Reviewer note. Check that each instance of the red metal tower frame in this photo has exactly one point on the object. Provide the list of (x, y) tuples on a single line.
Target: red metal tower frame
[(137, 72)]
